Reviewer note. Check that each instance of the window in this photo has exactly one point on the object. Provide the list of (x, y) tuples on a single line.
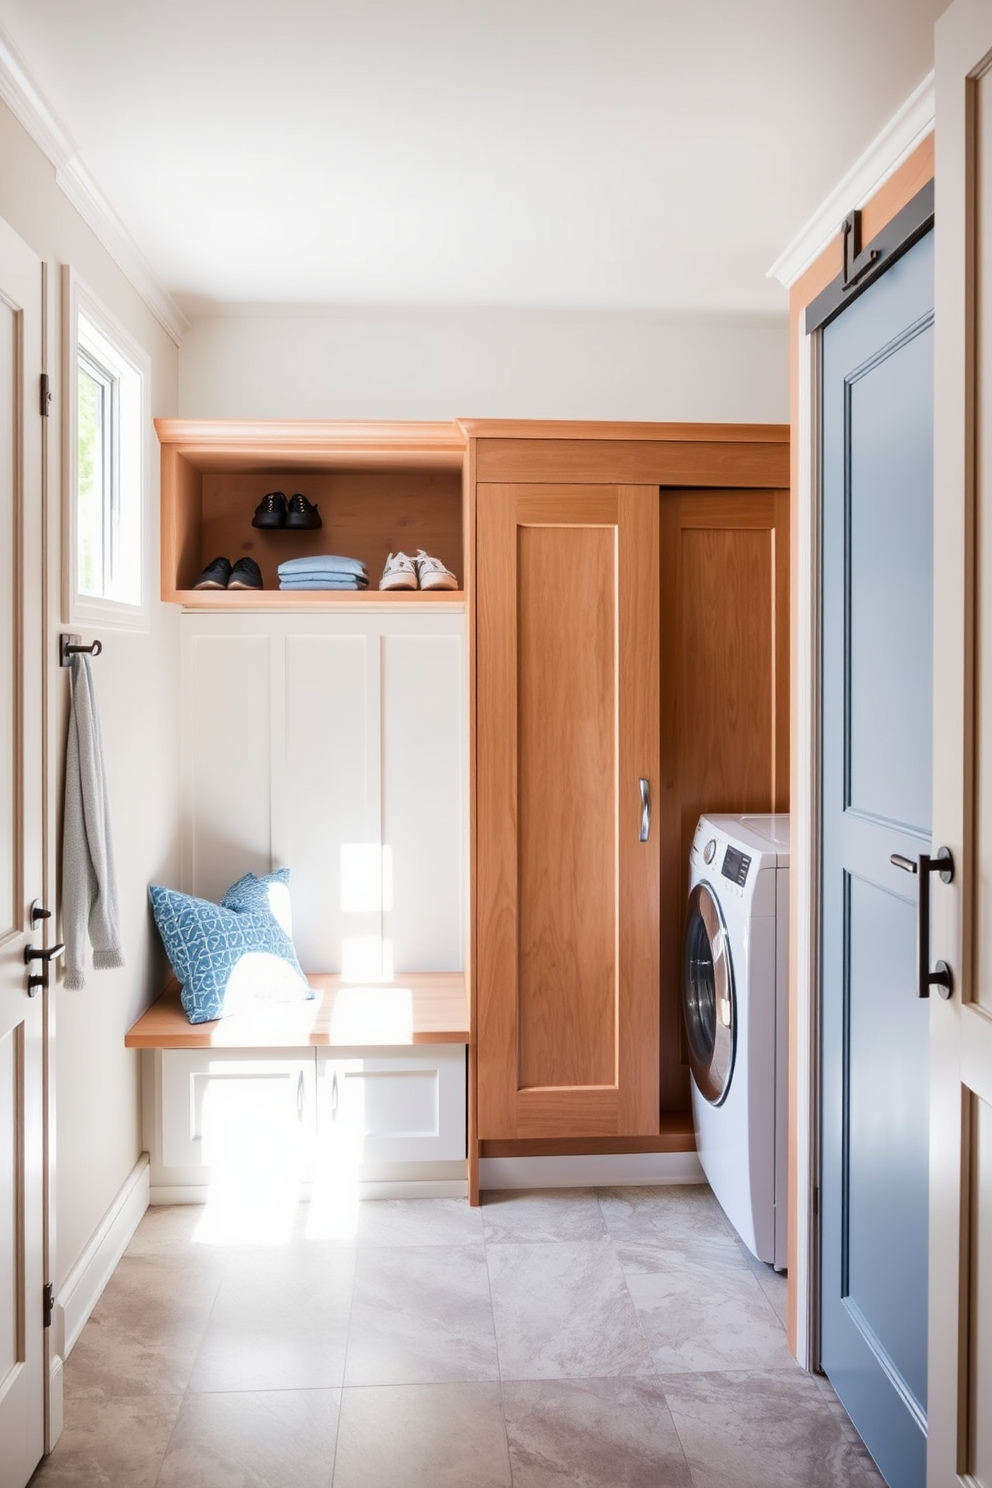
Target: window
[(105, 376)]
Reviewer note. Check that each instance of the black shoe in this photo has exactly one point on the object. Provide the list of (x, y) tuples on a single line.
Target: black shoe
[(301, 513), (215, 575), (245, 574), (270, 511)]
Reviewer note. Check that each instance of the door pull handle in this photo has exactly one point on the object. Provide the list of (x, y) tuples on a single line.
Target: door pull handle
[(45, 954), (42, 953), (943, 863), (645, 810)]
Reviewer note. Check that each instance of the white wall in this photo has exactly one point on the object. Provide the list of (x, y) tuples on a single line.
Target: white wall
[(445, 363), (98, 1133)]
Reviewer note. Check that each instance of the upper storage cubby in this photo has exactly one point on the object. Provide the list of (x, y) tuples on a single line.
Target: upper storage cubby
[(380, 489)]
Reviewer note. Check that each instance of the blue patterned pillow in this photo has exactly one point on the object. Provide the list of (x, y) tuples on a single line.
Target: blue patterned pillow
[(226, 958), (253, 895)]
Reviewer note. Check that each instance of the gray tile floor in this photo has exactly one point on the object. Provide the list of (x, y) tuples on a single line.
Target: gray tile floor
[(619, 1338)]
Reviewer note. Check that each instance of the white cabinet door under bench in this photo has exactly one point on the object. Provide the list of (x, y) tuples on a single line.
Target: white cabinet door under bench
[(397, 1107), (367, 1084)]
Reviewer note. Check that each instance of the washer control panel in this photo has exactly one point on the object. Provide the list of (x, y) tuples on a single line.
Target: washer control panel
[(735, 866)]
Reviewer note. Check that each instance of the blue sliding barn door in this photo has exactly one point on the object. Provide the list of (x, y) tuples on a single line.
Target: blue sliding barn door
[(876, 736)]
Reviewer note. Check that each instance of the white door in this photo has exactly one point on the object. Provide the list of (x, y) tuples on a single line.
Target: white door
[(960, 1361), (22, 1352)]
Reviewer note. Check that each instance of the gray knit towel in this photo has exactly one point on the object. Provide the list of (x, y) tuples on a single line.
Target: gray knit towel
[(89, 883)]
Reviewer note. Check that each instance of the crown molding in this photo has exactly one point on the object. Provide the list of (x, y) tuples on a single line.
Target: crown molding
[(32, 110), (900, 137)]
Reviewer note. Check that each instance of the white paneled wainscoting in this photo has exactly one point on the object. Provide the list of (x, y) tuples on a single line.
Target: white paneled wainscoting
[(334, 745)]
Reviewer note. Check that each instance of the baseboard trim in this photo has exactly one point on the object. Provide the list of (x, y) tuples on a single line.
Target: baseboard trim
[(82, 1287), (677, 1136), (392, 1188), (423, 1188), (590, 1171), (54, 1414)]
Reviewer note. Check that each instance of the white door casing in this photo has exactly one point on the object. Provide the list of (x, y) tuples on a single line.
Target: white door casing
[(22, 1169), (960, 1282)]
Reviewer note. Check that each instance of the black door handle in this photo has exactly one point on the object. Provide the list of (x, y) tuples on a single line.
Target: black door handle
[(943, 863), (42, 953), (47, 954)]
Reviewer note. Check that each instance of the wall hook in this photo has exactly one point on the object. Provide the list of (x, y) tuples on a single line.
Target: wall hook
[(71, 645)]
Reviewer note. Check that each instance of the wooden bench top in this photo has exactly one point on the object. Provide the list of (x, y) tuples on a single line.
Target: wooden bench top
[(422, 1008)]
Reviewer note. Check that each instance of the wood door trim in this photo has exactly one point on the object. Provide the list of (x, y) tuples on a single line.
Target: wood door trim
[(496, 812), (639, 1013), (725, 508)]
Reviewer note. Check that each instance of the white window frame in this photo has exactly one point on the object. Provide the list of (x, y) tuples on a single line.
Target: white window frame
[(132, 460)]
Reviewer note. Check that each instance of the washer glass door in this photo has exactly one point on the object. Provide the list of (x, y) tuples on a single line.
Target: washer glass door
[(708, 1001)]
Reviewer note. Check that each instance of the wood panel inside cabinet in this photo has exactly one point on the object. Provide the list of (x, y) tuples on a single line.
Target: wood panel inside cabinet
[(724, 696), (379, 489), (366, 514), (567, 919)]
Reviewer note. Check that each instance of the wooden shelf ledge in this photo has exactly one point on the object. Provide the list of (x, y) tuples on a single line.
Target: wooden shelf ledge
[(222, 443), (227, 601), (422, 1008)]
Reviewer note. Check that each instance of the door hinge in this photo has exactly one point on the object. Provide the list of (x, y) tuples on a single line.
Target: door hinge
[(49, 1303), (816, 1203), (46, 394)]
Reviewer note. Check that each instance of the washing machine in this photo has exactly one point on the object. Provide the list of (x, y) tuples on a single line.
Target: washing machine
[(735, 970)]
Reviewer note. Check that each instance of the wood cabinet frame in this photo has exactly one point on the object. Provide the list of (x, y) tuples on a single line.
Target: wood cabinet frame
[(713, 457)]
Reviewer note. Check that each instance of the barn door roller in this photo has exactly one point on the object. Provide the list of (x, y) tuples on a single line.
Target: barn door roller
[(857, 261)]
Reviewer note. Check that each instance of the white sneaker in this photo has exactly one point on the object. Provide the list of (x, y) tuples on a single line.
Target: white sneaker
[(432, 573), (399, 573)]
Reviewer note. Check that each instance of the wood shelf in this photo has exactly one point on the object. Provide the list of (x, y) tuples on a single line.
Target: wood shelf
[(422, 1008), (265, 601), (379, 488)]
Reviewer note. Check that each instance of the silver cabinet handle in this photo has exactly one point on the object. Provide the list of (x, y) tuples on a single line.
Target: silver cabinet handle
[(334, 1097), (645, 810)]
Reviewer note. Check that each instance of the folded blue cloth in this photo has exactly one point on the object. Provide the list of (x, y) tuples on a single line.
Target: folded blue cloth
[(325, 581), (311, 574), (321, 563)]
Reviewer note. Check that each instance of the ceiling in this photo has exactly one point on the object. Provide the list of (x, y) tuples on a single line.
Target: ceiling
[(644, 155)]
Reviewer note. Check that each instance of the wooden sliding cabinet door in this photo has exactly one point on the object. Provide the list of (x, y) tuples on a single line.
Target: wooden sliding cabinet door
[(724, 698), (568, 861)]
